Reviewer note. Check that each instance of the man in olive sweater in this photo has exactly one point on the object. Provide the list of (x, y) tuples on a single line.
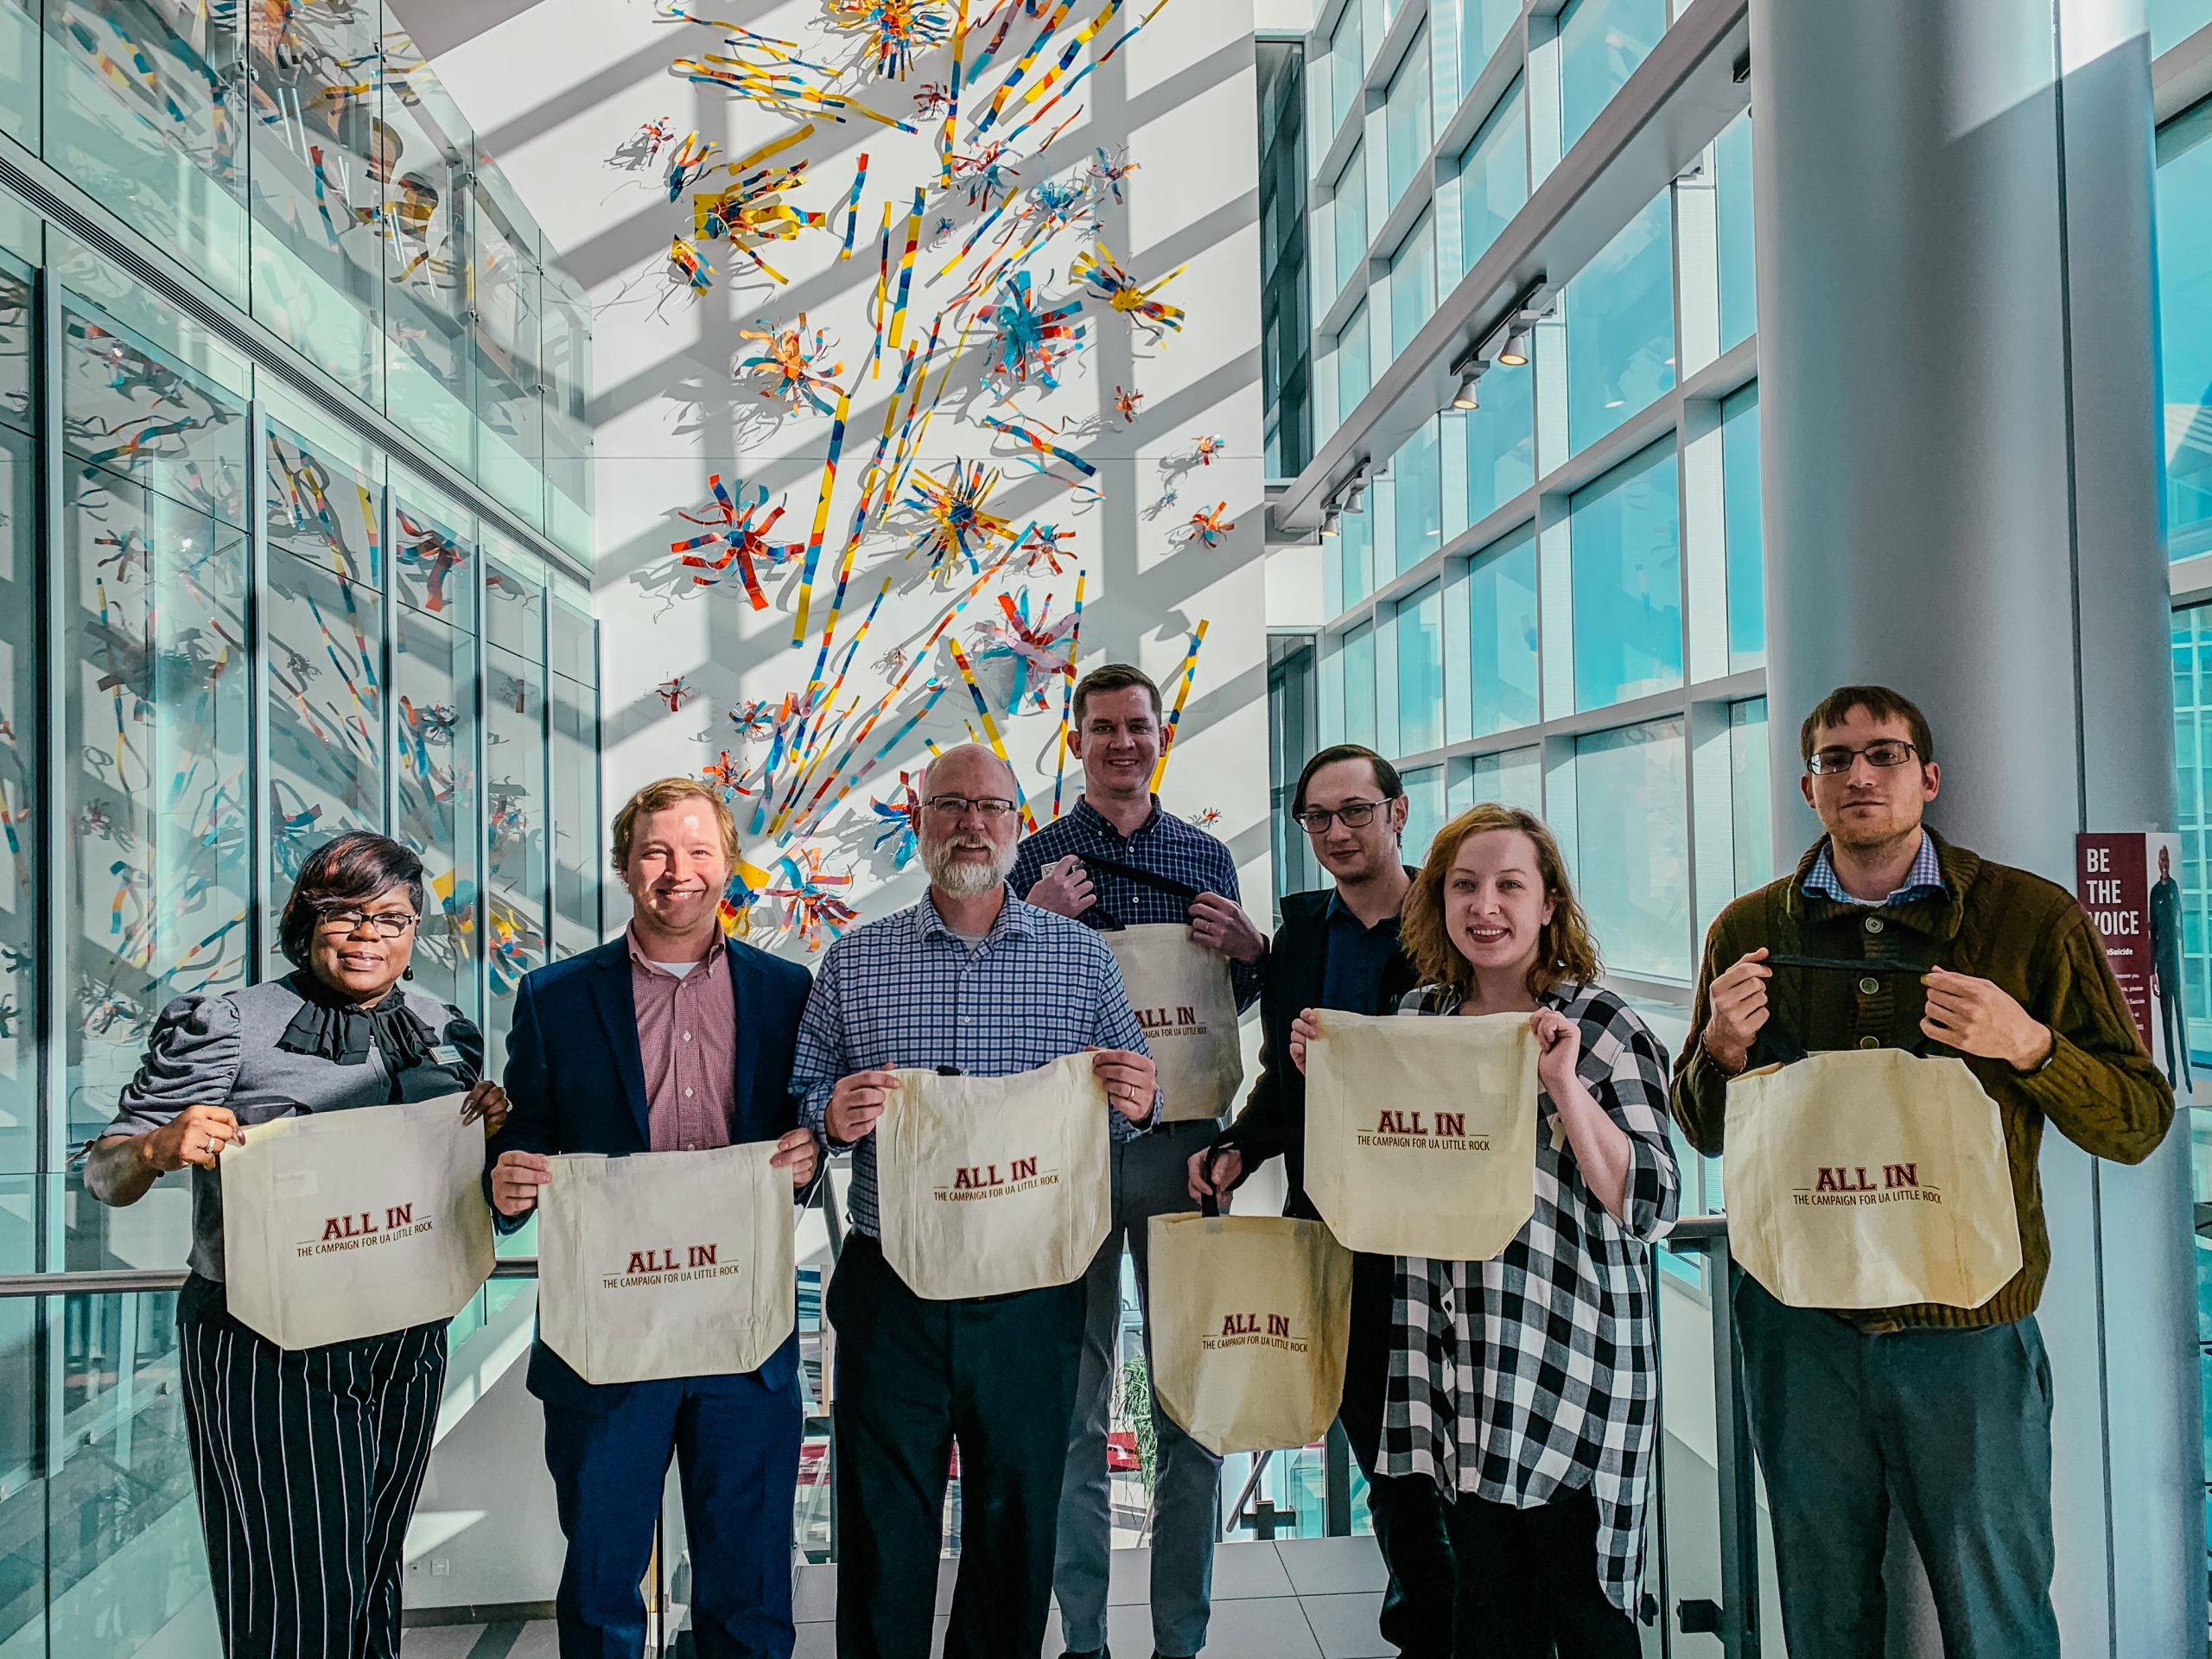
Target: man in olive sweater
[(1944, 1412)]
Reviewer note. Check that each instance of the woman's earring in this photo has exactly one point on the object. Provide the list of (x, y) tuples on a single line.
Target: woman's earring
[(407, 972)]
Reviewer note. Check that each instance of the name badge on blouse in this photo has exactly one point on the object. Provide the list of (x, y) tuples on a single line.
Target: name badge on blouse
[(445, 1054)]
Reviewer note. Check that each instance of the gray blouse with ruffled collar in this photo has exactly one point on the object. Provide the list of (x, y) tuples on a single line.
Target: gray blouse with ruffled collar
[(224, 1050)]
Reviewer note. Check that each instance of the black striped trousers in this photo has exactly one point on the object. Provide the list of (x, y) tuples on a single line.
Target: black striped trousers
[(308, 1464)]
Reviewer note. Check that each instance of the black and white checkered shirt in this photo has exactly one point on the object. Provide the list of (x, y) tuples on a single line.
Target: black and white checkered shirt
[(905, 991), (1537, 1373), (1162, 844)]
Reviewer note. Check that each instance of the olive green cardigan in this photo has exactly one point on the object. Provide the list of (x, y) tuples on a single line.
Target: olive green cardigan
[(2098, 1087)]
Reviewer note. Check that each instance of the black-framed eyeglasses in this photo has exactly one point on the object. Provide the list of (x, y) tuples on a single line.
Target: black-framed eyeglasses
[(1883, 751), (990, 808), (347, 918), (1353, 814)]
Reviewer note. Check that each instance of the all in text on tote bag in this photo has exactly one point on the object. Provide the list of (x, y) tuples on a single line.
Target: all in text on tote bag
[(1870, 1177), (340, 1225), (666, 1264), (989, 1185), (1251, 1316), (1185, 1003), (1420, 1133)]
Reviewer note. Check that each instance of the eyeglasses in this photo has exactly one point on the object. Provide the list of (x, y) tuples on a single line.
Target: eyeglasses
[(1883, 751), (388, 924), (1353, 814), (990, 808)]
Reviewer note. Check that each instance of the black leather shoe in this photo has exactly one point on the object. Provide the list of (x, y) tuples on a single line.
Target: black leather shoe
[(1087, 1653)]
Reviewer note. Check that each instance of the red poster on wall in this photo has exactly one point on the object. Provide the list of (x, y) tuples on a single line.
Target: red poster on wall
[(2110, 879), (2130, 885)]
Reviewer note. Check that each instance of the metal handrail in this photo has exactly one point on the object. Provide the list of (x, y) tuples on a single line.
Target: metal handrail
[(1259, 1462), (125, 1281)]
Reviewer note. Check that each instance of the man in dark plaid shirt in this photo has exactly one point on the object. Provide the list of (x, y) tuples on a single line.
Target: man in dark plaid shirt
[(1117, 861)]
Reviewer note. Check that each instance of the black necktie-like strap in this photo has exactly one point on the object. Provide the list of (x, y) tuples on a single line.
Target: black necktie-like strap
[(1141, 876), (1774, 1046), (1144, 878)]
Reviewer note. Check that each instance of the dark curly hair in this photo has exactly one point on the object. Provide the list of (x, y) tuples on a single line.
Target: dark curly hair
[(350, 870)]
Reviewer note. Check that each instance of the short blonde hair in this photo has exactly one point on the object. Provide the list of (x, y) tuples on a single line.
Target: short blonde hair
[(1565, 952), (659, 795)]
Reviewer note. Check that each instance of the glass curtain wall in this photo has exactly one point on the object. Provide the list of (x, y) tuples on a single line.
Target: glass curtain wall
[(247, 631), (1516, 592), (1575, 681), (306, 163), (1525, 610)]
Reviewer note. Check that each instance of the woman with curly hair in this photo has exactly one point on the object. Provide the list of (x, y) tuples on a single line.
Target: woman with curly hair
[(1526, 1386)]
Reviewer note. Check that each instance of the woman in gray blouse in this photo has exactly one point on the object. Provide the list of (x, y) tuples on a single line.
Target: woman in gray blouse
[(308, 1462)]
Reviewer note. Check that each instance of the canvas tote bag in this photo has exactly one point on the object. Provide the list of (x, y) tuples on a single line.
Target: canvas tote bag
[(1420, 1133), (1251, 1316), (989, 1185), (340, 1225), (1870, 1177), (1184, 1001), (665, 1264)]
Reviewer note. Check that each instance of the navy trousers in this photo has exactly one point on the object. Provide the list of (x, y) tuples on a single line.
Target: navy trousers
[(735, 1443)]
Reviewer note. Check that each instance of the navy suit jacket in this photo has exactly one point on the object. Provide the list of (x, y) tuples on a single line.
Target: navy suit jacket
[(576, 1077)]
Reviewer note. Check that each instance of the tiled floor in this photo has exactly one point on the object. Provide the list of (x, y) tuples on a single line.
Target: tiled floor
[(1307, 1599)]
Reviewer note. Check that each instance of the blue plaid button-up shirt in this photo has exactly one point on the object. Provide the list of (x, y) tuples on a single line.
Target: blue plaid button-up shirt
[(1162, 844), (1926, 878), (905, 990)]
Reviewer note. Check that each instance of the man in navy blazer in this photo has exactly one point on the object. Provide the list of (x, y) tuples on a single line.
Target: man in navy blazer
[(670, 1038)]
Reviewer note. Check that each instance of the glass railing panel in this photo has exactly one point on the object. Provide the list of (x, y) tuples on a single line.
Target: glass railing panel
[(146, 111), (19, 92), (126, 1565), (20, 675), (154, 577), (508, 303), (323, 607), (566, 335), (516, 879), (1682, 1559), (433, 678), (318, 197), (424, 149), (813, 1533)]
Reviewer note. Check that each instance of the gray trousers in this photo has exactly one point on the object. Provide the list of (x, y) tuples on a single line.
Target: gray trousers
[(1952, 1427), (1151, 1179)]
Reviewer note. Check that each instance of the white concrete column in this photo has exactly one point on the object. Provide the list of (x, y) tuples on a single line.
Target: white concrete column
[(1960, 483)]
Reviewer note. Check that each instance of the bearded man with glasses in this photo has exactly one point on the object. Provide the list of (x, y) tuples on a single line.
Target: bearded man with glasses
[(1942, 1411), (975, 981), (1338, 948)]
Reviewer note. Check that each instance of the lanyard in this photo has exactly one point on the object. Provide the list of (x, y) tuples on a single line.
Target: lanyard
[(1774, 1047), (1142, 877)]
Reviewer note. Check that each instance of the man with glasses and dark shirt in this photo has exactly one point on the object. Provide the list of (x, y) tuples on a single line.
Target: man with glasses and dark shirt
[(1943, 1411), (1117, 861), (1338, 948)]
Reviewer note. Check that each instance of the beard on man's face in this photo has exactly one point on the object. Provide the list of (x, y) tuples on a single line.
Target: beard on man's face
[(963, 877)]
